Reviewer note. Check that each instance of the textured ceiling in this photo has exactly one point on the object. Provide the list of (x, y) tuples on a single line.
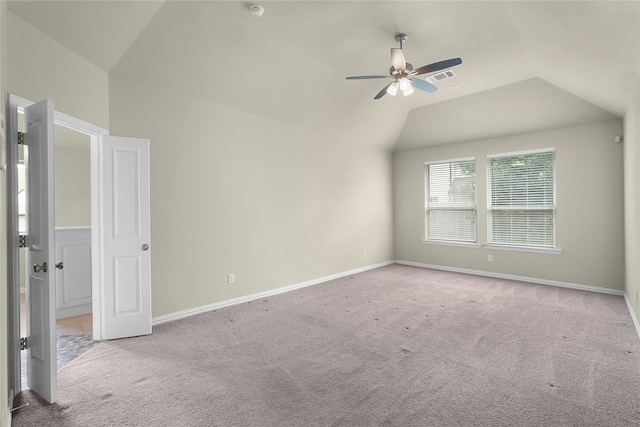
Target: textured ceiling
[(289, 65)]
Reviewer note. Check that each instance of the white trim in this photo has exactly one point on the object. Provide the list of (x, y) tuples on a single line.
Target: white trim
[(522, 153), (13, 252), (534, 249), (63, 119), (74, 227), (21, 103), (534, 280), (633, 314), (96, 239), (439, 162), (450, 243), (227, 303), (78, 125)]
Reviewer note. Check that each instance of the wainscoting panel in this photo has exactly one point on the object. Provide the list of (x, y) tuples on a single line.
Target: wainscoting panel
[(73, 281)]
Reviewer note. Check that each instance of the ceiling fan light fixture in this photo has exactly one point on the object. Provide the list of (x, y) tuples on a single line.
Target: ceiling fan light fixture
[(393, 88), (405, 85)]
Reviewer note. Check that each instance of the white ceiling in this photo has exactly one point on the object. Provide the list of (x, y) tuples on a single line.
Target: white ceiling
[(289, 65), (527, 106)]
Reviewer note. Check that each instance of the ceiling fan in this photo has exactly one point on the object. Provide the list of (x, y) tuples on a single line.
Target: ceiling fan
[(404, 75)]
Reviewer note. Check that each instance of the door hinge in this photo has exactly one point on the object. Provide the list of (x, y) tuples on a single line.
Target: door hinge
[(20, 138), (22, 240), (23, 343)]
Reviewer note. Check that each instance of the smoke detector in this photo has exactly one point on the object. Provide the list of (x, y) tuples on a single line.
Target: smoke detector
[(256, 10)]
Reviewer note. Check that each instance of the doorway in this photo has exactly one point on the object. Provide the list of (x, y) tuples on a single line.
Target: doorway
[(119, 239), (74, 320), (15, 150)]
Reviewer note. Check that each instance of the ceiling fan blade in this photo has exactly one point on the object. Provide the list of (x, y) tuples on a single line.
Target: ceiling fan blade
[(437, 66), (383, 92), (422, 85), (397, 59), (366, 77)]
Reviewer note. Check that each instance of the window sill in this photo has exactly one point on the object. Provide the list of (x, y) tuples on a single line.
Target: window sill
[(450, 243), (539, 250)]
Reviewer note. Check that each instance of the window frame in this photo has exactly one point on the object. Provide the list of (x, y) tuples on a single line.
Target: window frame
[(553, 249), (449, 242)]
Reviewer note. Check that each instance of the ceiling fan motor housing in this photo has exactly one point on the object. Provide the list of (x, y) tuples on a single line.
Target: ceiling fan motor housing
[(408, 68)]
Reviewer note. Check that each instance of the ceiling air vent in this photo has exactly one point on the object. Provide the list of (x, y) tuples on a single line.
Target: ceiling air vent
[(438, 77)]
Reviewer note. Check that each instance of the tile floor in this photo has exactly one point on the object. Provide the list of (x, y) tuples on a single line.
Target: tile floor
[(74, 326), (78, 325)]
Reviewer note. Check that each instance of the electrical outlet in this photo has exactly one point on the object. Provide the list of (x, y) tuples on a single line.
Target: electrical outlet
[(364, 254), (489, 257), (232, 279), (636, 295)]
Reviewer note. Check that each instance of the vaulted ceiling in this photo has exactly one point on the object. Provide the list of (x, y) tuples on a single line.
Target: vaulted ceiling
[(559, 62)]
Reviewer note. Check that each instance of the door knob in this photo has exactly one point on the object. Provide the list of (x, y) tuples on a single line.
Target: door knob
[(38, 268), (145, 247), (60, 265)]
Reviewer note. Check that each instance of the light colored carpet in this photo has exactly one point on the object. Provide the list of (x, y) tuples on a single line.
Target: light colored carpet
[(394, 346), (68, 348)]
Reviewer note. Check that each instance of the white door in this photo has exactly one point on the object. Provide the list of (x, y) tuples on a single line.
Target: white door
[(125, 229), (41, 284)]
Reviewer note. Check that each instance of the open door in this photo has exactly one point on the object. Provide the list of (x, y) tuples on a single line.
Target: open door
[(41, 285), (124, 218), (120, 223)]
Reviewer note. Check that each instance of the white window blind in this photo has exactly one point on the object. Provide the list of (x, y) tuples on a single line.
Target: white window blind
[(522, 202), (451, 200)]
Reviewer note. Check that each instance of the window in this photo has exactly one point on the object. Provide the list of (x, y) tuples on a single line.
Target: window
[(451, 200), (521, 199)]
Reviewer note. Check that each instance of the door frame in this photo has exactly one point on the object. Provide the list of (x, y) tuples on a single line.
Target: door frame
[(13, 241)]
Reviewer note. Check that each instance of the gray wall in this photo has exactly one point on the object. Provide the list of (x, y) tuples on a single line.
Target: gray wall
[(589, 183), (274, 203), (39, 67), (73, 185), (233, 192), (278, 204)]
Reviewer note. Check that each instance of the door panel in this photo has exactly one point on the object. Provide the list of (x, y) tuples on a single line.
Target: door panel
[(126, 183), (125, 221), (127, 287), (41, 284), (38, 304), (73, 280)]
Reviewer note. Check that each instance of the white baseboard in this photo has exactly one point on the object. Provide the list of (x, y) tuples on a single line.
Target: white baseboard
[(514, 277), (533, 280), (79, 310), (227, 303), (633, 314), (215, 306)]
